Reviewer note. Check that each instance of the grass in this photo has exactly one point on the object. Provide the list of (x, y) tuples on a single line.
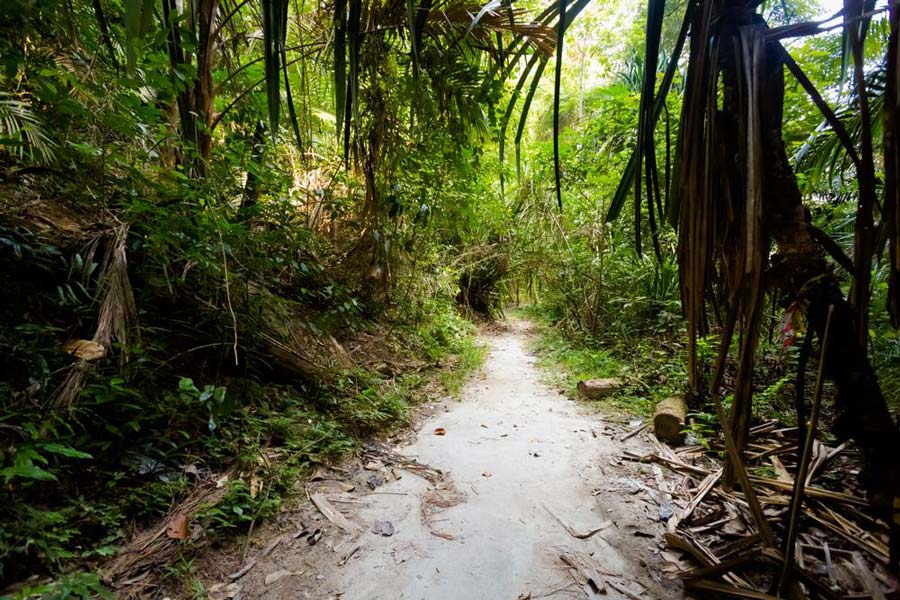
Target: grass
[(650, 371), (451, 342), (469, 358)]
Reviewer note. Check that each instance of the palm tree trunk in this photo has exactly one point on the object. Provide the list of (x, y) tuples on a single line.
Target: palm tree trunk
[(251, 187), (891, 149), (204, 91), (802, 270), (195, 101)]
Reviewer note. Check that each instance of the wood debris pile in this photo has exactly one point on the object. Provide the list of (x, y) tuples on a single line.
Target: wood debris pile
[(389, 458), (131, 572), (732, 544)]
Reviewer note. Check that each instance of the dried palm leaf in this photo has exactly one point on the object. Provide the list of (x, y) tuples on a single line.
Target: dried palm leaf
[(115, 318)]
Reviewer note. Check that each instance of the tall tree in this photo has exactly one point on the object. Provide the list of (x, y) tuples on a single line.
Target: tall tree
[(736, 194)]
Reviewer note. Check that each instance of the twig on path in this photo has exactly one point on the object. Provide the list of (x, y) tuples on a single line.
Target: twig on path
[(585, 572), (548, 593), (624, 591), (642, 426), (571, 530), (243, 570), (331, 513)]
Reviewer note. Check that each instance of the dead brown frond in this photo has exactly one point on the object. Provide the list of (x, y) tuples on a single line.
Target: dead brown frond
[(116, 316), (697, 161), (458, 17), (149, 551)]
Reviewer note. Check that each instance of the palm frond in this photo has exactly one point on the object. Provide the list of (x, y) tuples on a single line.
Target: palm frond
[(631, 172), (22, 133), (646, 123), (830, 154), (525, 110), (831, 119), (690, 195), (340, 63), (560, 35), (274, 26), (455, 21)]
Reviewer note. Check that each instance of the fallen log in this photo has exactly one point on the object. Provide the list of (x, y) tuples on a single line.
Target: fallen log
[(669, 418), (594, 389)]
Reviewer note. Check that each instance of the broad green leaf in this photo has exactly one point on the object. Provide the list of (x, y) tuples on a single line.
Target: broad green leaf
[(65, 451)]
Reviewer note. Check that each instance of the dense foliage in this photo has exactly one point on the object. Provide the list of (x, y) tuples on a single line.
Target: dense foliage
[(583, 268), (237, 237), (199, 289)]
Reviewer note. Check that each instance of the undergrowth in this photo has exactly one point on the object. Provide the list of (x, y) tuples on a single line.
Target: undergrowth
[(650, 371), (275, 436), (174, 409), (652, 368)]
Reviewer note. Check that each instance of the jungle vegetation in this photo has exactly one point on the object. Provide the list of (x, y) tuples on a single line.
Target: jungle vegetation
[(237, 237)]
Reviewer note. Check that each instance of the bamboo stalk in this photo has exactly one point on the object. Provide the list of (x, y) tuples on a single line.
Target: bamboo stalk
[(762, 524), (702, 491), (802, 469), (813, 492), (727, 590)]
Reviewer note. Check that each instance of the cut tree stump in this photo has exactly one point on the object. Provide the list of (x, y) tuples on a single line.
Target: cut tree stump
[(595, 389), (669, 418)]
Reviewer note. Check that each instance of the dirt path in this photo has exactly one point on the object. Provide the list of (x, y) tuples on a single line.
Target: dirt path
[(517, 460)]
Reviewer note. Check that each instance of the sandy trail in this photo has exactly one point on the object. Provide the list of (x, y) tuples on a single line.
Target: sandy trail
[(516, 457)]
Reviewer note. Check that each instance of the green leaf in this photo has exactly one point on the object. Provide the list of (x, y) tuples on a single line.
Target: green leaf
[(560, 35), (138, 16), (340, 63), (207, 392), (27, 472), (186, 384), (625, 185), (65, 451)]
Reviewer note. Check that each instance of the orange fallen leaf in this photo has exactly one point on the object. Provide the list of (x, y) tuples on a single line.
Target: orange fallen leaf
[(440, 431), (85, 349), (177, 529)]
